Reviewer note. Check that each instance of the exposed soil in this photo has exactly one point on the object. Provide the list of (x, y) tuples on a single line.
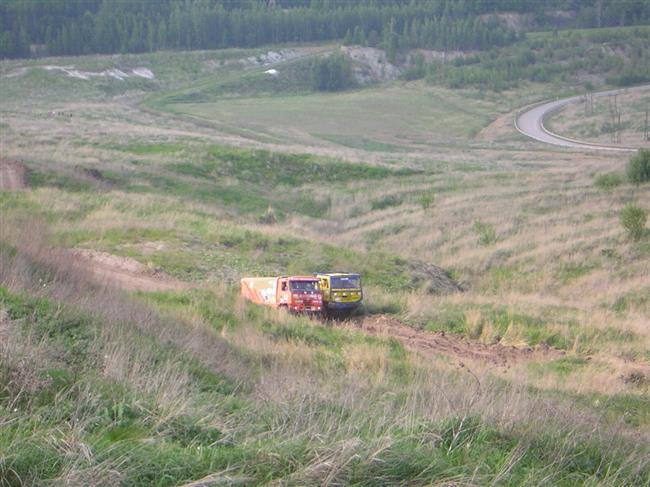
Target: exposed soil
[(126, 273), (91, 175), (432, 344), (433, 279), (13, 175), (114, 73), (371, 65), (131, 275)]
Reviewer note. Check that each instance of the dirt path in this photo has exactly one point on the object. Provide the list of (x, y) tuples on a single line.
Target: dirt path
[(125, 273), (131, 275), (13, 175), (431, 344)]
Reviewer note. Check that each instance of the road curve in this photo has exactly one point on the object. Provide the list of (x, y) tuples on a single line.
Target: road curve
[(530, 122)]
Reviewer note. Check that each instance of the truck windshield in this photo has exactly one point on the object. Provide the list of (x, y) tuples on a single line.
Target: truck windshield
[(345, 282), (304, 286)]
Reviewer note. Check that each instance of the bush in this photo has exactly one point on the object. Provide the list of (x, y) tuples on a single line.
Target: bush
[(608, 181), (426, 199), (633, 219), (638, 169), (332, 73), (386, 202), (487, 234), (417, 68)]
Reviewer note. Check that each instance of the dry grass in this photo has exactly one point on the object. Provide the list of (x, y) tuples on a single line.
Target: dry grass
[(560, 257), (350, 419), (581, 121), (549, 220)]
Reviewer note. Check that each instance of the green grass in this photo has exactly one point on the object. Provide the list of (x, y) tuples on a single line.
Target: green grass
[(303, 400), (265, 168), (147, 149), (386, 202), (512, 325), (608, 181), (396, 116), (293, 77), (562, 367), (127, 431), (197, 253), (243, 180), (172, 70), (360, 143), (568, 271), (121, 424)]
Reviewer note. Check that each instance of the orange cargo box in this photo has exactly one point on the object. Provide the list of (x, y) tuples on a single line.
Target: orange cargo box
[(260, 290)]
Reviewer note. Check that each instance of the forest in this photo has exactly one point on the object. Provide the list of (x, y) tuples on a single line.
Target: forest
[(74, 27), (621, 57)]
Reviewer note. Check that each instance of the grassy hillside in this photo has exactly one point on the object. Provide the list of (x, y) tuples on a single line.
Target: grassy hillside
[(595, 119), (103, 386), (100, 389)]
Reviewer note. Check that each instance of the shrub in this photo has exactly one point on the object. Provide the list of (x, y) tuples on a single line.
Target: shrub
[(638, 169), (426, 199), (487, 234), (608, 181), (332, 73), (386, 202), (269, 217), (417, 68), (633, 219)]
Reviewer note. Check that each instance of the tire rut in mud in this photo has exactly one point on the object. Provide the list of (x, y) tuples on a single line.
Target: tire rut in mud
[(432, 344)]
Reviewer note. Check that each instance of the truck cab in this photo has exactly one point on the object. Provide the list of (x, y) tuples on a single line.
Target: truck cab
[(300, 294), (342, 292)]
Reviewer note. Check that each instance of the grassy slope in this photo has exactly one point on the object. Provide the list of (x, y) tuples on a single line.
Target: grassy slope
[(145, 414), (172, 194), (594, 123), (383, 119)]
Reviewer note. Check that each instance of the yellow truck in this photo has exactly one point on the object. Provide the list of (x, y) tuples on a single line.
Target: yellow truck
[(342, 293)]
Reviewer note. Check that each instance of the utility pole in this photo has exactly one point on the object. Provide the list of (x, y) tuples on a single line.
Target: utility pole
[(615, 115), (589, 104)]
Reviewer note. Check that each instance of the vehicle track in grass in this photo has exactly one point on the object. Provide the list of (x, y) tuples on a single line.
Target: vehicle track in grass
[(125, 273), (130, 275), (432, 344)]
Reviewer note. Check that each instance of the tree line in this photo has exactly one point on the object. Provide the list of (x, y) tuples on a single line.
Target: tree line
[(73, 27), (555, 56)]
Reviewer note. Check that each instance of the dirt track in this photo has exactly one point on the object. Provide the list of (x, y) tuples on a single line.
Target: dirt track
[(125, 273), (432, 344), (13, 175), (130, 275)]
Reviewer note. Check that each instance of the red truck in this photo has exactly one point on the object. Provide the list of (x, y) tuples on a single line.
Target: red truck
[(298, 294)]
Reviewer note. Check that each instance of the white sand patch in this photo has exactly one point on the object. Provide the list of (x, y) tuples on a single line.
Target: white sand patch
[(143, 73), (114, 73), (18, 72), (271, 57), (69, 70), (117, 74)]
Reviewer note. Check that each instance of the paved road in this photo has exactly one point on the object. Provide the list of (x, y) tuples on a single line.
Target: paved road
[(531, 123)]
